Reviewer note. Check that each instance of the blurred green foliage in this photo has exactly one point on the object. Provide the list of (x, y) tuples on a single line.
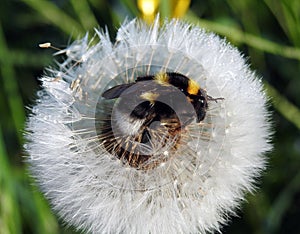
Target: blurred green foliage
[(267, 31)]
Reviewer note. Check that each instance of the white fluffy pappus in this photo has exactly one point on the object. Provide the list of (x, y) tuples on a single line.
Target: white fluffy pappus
[(194, 188)]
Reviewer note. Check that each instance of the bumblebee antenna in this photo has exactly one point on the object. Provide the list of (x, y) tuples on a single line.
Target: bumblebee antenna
[(210, 98)]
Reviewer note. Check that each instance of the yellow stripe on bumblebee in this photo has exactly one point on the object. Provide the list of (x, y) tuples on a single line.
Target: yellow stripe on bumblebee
[(162, 78), (193, 87), (150, 96)]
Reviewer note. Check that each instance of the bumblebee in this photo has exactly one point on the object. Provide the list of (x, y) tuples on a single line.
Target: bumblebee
[(148, 94), (152, 112)]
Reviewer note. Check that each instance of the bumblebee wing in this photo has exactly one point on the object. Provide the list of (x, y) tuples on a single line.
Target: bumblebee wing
[(116, 91)]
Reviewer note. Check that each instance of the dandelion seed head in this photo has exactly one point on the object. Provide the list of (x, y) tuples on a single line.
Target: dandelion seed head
[(189, 179)]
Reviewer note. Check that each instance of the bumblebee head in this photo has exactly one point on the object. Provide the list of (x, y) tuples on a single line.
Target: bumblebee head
[(199, 102)]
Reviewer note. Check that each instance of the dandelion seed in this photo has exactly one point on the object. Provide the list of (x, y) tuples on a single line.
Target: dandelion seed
[(161, 132), (45, 45)]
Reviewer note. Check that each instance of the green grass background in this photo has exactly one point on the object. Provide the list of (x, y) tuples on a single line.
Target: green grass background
[(266, 31)]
